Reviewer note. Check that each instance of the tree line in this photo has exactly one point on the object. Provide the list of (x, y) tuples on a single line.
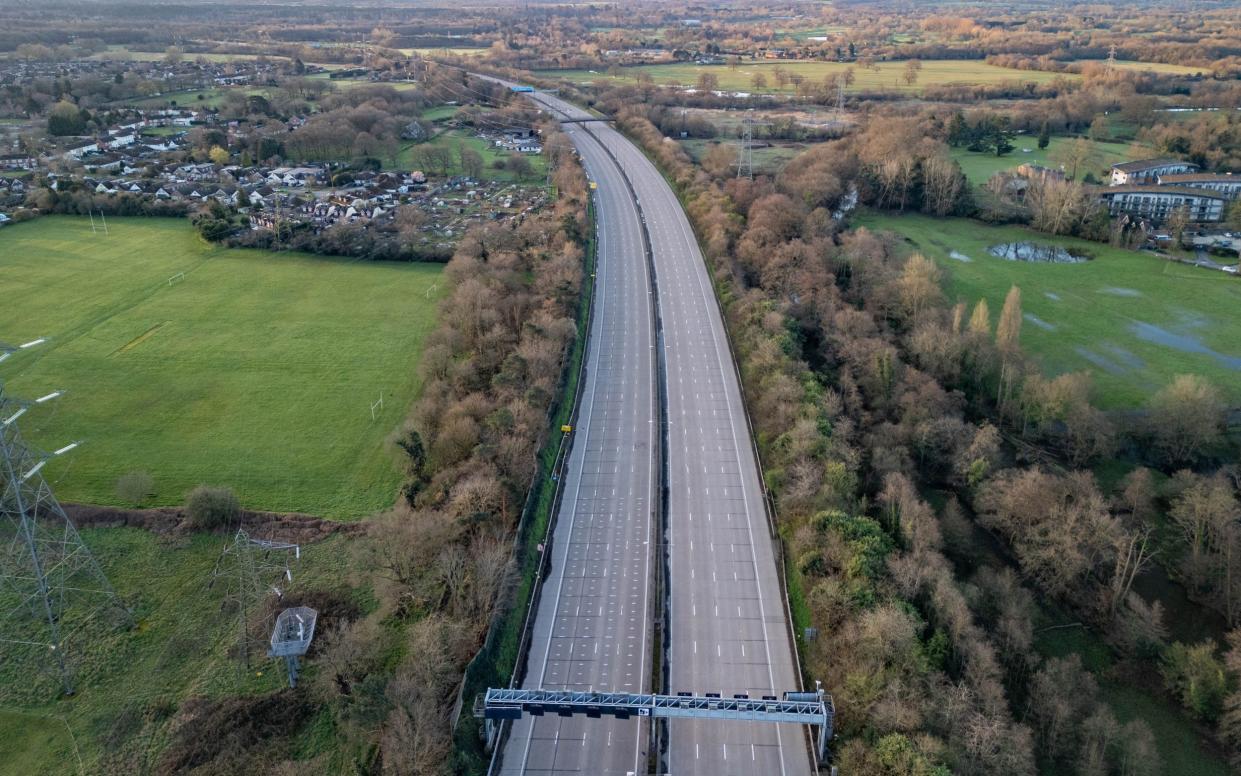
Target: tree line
[(869, 391)]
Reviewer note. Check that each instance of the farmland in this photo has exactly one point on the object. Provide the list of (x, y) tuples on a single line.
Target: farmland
[(884, 76), (253, 370), (1131, 319)]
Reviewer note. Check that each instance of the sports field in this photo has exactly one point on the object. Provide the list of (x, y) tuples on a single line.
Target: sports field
[(254, 370), (885, 75), (1133, 320)]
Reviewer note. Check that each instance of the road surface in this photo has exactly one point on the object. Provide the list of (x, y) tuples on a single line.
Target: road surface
[(728, 627), (593, 624)]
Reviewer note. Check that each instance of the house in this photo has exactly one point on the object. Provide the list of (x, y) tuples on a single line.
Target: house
[(1157, 203), (1226, 183), (1035, 172), (1148, 170)]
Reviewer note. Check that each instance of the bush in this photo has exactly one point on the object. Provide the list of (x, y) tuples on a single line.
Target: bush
[(135, 487), (211, 507)]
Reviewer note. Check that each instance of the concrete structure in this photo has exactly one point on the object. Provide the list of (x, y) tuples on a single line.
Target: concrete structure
[(1226, 184), (1148, 170), (1156, 203)]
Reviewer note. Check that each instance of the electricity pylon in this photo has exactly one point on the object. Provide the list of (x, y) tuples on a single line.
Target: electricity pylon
[(51, 587), (745, 159), (251, 570)]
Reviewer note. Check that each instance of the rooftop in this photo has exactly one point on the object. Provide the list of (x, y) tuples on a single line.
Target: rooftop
[(1184, 191), (1147, 164)]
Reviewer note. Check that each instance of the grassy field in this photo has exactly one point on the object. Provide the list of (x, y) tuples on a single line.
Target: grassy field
[(257, 370), (1131, 319), (406, 158), (1159, 67), (886, 76), (979, 167), (767, 161), (180, 647)]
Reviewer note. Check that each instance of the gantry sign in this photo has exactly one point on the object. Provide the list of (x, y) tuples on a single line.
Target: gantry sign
[(800, 708)]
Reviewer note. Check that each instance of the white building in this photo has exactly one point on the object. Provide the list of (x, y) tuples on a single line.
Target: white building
[(1226, 184), (1156, 203), (1148, 170)]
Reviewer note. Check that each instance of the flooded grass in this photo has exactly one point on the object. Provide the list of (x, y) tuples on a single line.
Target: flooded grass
[(1131, 319), (1037, 253)]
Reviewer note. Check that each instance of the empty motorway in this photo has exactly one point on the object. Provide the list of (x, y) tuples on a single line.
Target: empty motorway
[(728, 630), (593, 624)]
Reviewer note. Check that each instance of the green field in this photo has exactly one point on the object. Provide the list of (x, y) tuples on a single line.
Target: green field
[(256, 371), (1133, 320), (406, 158), (979, 166), (768, 160), (885, 76), (130, 680), (1159, 67)]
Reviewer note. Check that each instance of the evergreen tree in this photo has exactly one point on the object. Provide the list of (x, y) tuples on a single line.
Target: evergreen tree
[(1044, 135), (958, 130)]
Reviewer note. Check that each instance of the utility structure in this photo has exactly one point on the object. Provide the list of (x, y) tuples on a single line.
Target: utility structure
[(290, 639), (745, 159), (52, 589), (252, 569), (801, 708), (1111, 58)]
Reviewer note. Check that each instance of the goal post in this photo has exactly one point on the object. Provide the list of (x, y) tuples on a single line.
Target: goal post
[(177, 278)]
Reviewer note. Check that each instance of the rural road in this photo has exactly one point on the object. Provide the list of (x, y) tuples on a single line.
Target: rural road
[(728, 628)]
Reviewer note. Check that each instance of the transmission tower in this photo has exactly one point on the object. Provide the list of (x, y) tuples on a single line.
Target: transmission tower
[(1111, 58), (745, 159), (253, 569), (52, 590)]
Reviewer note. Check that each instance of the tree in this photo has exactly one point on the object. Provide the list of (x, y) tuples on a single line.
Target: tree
[(135, 487), (1178, 222), (212, 507), (1100, 128), (919, 286), (218, 155), (1186, 418), (470, 161), (173, 55), (708, 82), (65, 118), (910, 74), (720, 160), (1233, 219), (520, 166), (758, 81), (1072, 156), (1008, 342), (1196, 676), (1044, 135), (958, 130)]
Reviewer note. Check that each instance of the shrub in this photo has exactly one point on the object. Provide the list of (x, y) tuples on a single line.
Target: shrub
[(135, 487), (212, 507)]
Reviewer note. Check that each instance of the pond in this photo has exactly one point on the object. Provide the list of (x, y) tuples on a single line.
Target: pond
[(1034, 252)]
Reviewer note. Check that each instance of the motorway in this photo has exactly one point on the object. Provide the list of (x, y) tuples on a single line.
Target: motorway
[(593, 624), (728, 628)]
